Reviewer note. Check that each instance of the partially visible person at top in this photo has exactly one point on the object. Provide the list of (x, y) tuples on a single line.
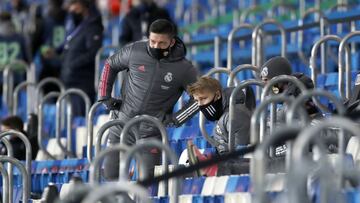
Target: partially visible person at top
[(136, 23), (20, 11), (49, 38), (15, 123), (80, 48), (12, 44)]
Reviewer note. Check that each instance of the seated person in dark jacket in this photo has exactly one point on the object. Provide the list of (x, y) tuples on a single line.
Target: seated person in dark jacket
[(213, 102), (281, 66), (15, 123)]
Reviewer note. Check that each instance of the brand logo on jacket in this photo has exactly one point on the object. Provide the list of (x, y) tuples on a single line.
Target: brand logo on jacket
[(141, 68), (168, 77), (264, 72)]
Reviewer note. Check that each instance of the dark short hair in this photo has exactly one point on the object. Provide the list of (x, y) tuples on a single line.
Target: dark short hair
[(13, 122), (163, 26)]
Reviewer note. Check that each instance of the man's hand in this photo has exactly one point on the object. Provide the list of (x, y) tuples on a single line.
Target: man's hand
[(112, 103)]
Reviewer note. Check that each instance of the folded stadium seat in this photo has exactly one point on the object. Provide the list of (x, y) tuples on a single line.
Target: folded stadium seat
[(355, 61), (202, 143), (160, 199), (208, 199), (353, 148), (81, 140), (53, 148), (238, 183), (331, 85), (214, 185), (239, 197), (157, 171), (185, 198), (331, 82), (321, 78), (193, 185)]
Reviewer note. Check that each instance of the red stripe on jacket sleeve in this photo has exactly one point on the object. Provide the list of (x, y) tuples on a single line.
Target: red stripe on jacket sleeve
[(104, 79)]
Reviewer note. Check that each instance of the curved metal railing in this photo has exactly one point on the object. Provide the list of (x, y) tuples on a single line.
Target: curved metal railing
[(16, 92), (239, 88), (230, 42), (90, 129), (257, 50), (40, 136), (86, 99), (166, 150)]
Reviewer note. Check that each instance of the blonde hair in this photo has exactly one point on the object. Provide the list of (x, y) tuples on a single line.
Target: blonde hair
[(204, 83)]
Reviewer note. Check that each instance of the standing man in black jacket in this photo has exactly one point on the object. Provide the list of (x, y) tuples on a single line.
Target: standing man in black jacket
[(135, 25), (158, 73), (80, 49)]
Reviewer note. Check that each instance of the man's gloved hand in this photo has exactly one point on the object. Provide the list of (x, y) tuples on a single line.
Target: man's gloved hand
[(112, 103)]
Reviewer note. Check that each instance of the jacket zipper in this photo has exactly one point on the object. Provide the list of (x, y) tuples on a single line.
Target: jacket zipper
[(150, 88)]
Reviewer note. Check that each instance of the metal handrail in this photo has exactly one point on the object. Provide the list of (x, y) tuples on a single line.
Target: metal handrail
[(16, 95), (207, 137), (40, 135), (257, 49), (217, 70), (8, 80), (24, 173), (240, 68), (266, 91), (6, 185), (86, 99), (10, 153), (294, 107), (230, 42), (289, 29), (342, 48), (313, 66), (28, 152), (107, 189), (90, 129), (255, 136), (42, 84), (239, 88), (166, 150), (323, 23), (101, 133), (303, 140), (163, 134), (258, 167), (94, 171)]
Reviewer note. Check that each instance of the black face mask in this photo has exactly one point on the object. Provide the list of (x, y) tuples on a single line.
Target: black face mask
[(213, 110), (159, 53), (77, 18)]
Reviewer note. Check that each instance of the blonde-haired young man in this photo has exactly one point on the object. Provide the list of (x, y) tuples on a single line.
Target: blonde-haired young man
[(213, 102)]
